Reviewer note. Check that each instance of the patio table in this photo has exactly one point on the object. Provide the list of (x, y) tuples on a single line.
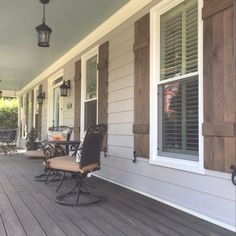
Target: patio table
[(64, 146)]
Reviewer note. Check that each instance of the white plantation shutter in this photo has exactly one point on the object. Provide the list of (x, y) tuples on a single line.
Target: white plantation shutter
[(178, 100), (90, 103), (90, 113), (179, 121), (179, 40), (91, 78)]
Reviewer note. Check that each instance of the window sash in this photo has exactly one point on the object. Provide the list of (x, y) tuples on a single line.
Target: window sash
[(89, 101), (56, 106), (179, 40), (178, 119), (90, 113), (91, 78)]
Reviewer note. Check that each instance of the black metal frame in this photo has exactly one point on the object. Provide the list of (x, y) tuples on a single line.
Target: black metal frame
[(8, 140), (51, 151), (90, 154)]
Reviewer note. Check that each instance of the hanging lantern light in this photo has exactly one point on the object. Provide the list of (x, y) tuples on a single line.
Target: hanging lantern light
[(64, 88), (43, 30)]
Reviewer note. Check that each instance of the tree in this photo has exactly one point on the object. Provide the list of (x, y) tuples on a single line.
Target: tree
[(8, 112)]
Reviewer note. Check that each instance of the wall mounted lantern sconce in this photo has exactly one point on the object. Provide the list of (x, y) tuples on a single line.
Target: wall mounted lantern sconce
[(0, 90), (43, 30), (64, 88), (40, 98)]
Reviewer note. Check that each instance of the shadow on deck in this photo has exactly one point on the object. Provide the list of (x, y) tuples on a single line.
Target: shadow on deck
[(29, 208)]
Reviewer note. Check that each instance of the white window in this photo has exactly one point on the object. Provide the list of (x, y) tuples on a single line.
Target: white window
[(23, 116), (55, 100), (89, 88), (176, 84), (36, 106)]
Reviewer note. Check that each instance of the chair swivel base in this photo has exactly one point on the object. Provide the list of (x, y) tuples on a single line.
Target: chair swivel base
[(81, 197)]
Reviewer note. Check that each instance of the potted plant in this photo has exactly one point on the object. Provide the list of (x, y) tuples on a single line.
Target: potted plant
[(31, 138)]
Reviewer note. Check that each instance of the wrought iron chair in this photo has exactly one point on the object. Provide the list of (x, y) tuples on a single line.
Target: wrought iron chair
[(48, 150), (8, 140), (89, 162)]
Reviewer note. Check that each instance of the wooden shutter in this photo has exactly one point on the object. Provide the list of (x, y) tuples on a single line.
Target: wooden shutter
[(77, 105), (219, 84), (38, 119), (103, 86), (21, 110), (141, 86), (27, 112), (32, 109)]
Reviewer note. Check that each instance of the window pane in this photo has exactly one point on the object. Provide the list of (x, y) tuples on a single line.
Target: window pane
[(179, 121), (91, 78), (90, 116), (178, 46)]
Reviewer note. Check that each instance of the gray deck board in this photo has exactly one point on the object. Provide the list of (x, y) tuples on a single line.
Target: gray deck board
[(28, 207)]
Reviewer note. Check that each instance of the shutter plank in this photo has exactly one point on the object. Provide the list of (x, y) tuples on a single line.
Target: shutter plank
[(103, 87), (218, 69), (141, 86), (229, 153), (77, 106)]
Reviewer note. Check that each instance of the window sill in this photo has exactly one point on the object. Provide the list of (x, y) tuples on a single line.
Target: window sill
[(189, 166)]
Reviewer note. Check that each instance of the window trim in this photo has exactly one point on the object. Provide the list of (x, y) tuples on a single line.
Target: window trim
[(181, 164), (36, 106), (50, 98), (93, 52)]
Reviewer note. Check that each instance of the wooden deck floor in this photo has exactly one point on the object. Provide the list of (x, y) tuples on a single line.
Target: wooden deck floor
[(28, 208)]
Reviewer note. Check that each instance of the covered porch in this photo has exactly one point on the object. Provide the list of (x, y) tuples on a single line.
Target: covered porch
[(160, 74), (29, 208)]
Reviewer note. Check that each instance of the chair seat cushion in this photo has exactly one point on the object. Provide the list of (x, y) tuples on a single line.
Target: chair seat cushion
[(35, 153), (67, 163)]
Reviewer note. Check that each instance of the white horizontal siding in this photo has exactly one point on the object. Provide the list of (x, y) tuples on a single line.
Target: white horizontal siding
[(120, 39), (121, 83), (121, 72), (122, 60), (120, 152), (140, 177), (119, 95), (120, 140), (121, 106), (121, 49), (118, 118), (119, 129)]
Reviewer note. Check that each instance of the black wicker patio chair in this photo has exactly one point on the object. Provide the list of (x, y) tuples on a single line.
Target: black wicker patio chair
[(80, 193)]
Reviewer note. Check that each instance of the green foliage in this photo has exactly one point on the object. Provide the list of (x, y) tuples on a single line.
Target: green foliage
[(8, 112)]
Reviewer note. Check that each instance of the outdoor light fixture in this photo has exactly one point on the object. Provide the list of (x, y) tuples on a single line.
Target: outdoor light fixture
[(40, 98), (0, 90), (64, 88), (43, 30)]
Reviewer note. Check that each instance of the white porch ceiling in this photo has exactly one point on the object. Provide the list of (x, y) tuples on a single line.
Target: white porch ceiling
[(21, 60)]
